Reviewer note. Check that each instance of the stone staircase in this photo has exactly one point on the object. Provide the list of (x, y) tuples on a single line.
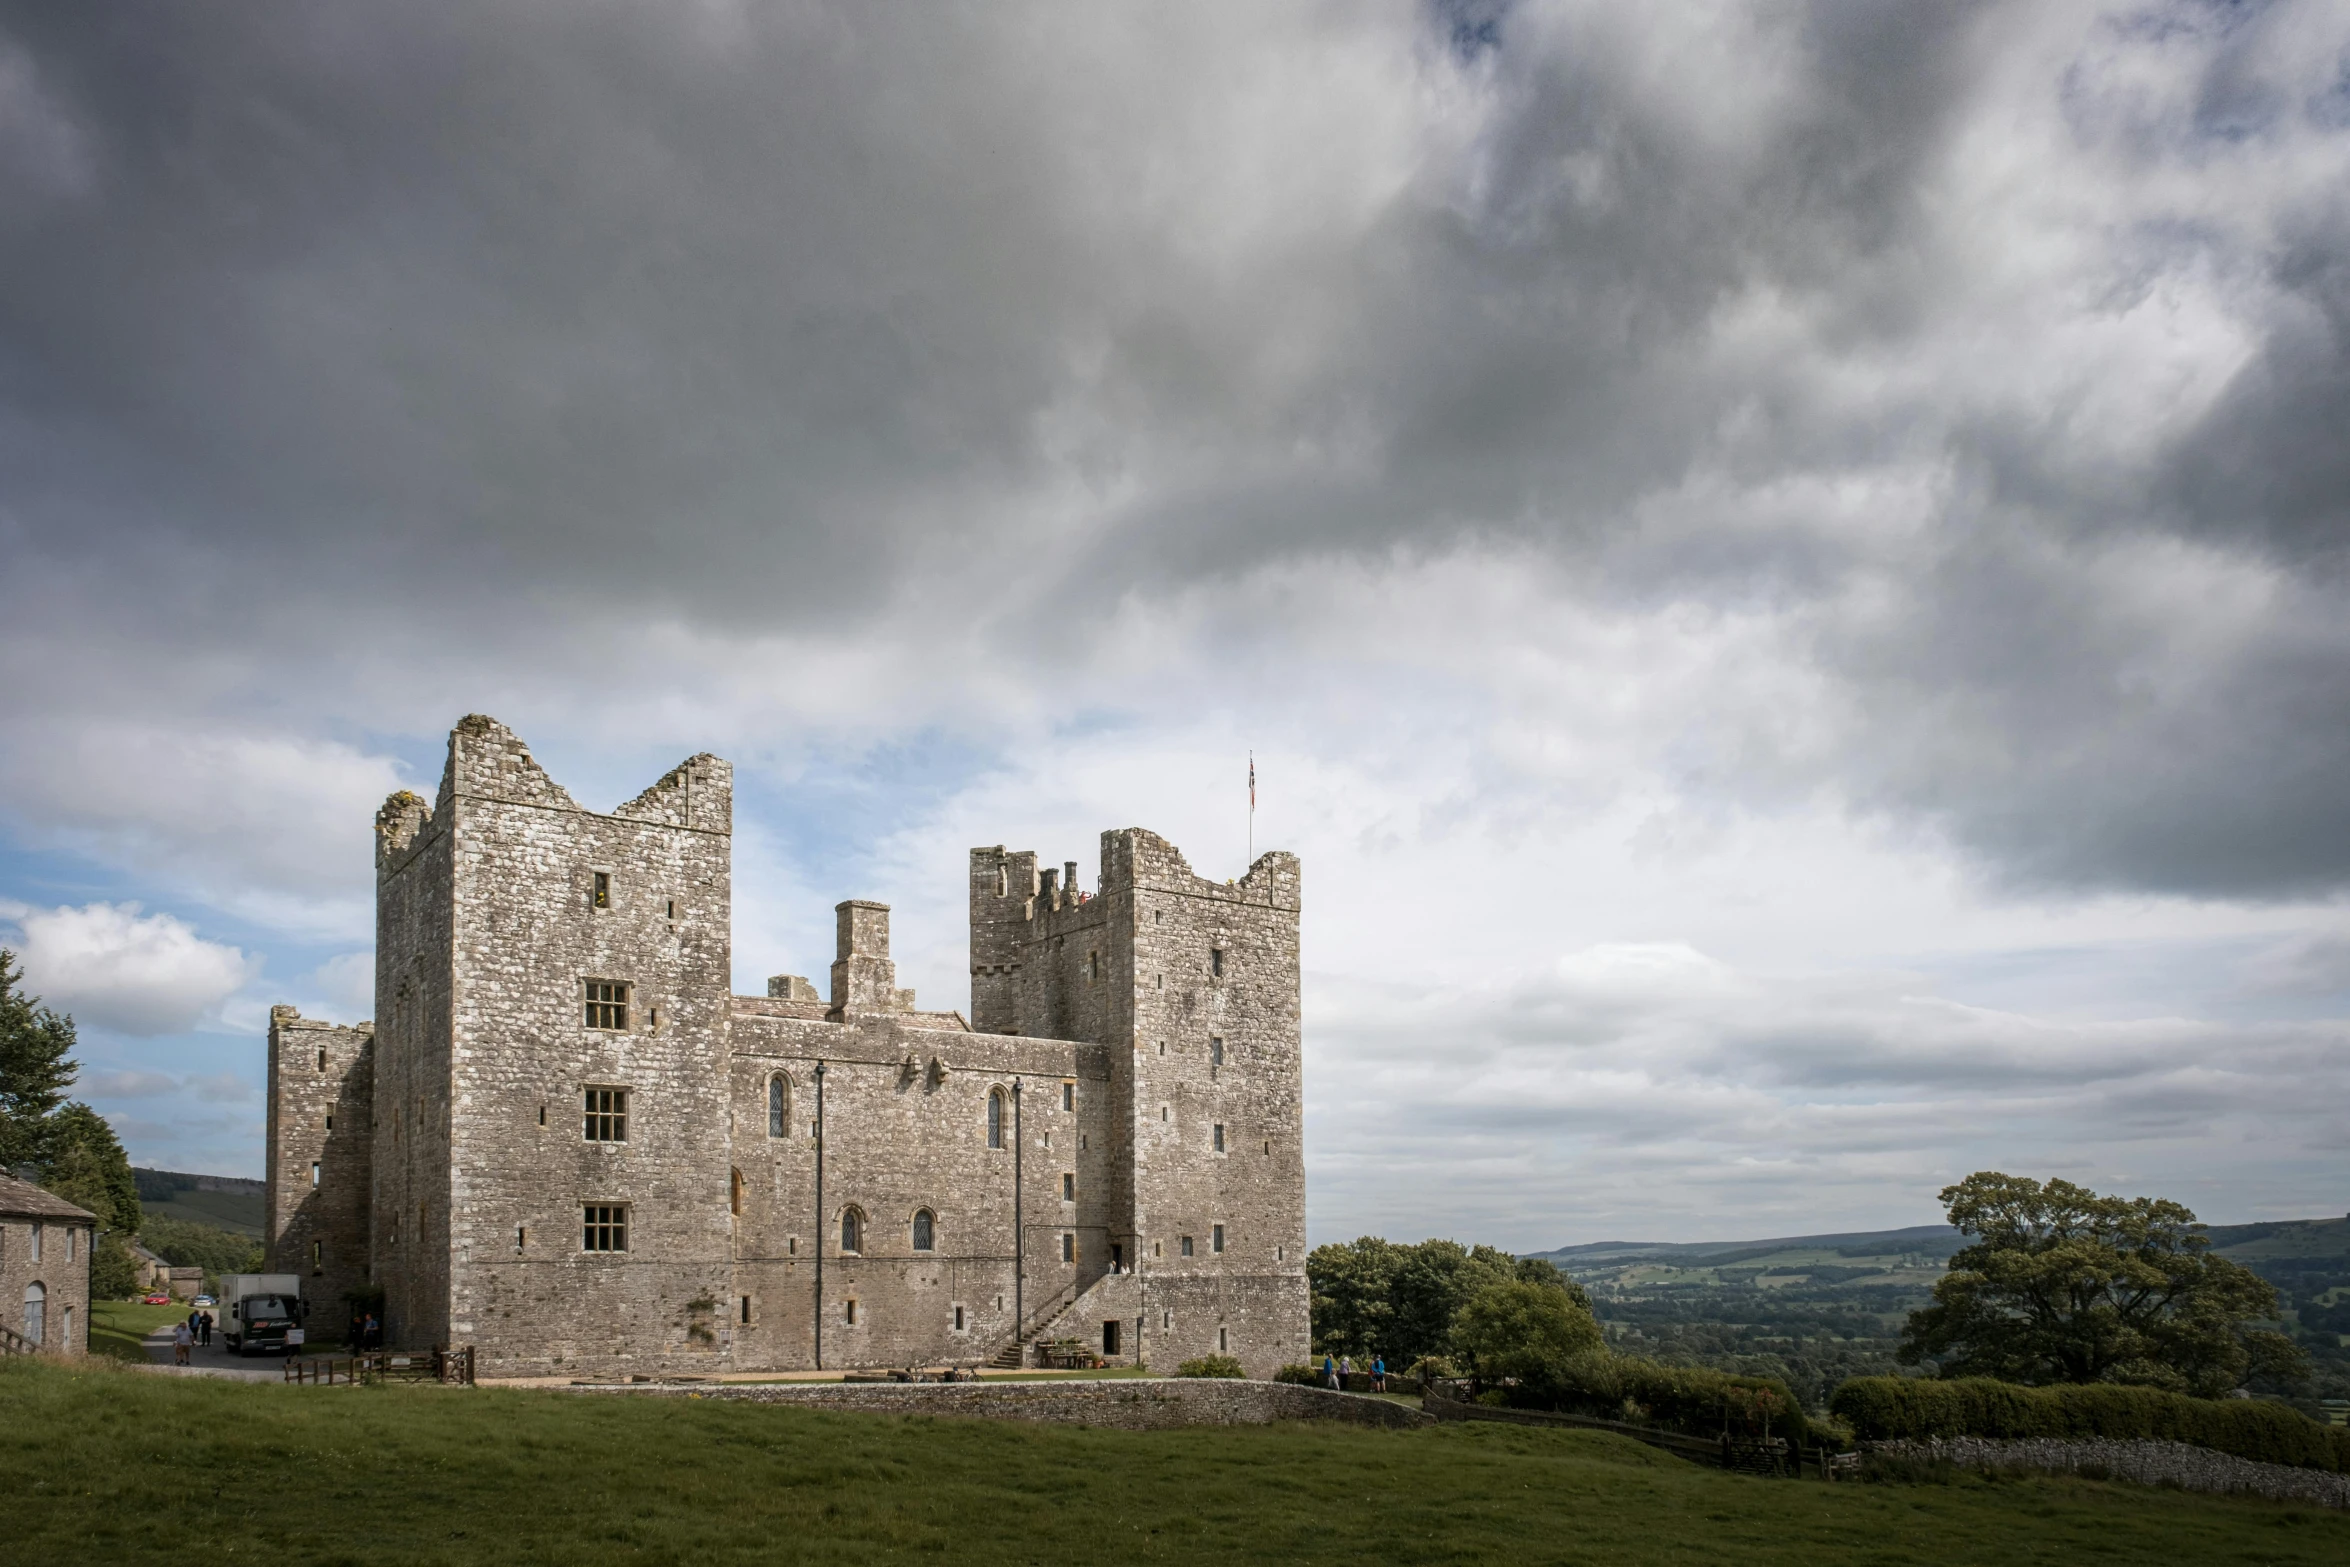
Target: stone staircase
[(1014, 1353)]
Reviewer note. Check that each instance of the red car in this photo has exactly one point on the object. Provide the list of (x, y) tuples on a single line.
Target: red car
[(155, 1300)]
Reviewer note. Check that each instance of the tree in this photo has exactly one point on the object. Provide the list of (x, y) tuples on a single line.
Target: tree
[(71, 1150), (2062, 1285), (36, 1068), (1524, 1329), (1377, 1297)]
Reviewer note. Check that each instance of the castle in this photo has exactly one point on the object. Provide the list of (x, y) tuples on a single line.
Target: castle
[(565, 1142)]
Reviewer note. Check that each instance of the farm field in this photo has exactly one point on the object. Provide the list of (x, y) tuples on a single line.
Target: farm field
[(106, 1463)]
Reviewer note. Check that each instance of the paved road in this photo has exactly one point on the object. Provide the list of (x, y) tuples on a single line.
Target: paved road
[(215, 1361)]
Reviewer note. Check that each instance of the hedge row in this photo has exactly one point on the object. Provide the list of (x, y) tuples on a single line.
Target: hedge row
[(1879, 1408), (1694, 1400)]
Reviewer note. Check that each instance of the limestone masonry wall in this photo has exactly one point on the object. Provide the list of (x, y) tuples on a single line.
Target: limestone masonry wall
[(321, 1165), (1140, 1404), (1108, 1148)]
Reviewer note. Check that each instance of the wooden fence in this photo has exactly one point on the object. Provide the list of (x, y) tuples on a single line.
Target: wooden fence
[(438, 1364)]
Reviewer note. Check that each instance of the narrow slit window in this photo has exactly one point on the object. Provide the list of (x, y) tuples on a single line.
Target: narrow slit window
[(1219, 1138), (607, 1004), (734, 1192), (995, 1119), (521, 1236), (317, 1257), (1068, 1096), (1068, 1247), (1216, 1238), (746, 1317), (600, 889), (852, 1305), (1223, 1340), (1068, 1186), (1215, 1051), (958, 1319), (606, 1115), (322, 1058), (1216, 962), (604, 1227), (314, 1175)]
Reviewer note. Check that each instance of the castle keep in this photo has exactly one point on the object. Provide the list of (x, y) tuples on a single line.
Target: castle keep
[(564, 1141)]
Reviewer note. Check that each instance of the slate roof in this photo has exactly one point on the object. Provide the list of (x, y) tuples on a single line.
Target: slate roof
[(24, 1200)]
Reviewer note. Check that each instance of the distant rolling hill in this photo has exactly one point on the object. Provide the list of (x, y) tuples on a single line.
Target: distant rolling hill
[(1819, 1308), (227, 1202)]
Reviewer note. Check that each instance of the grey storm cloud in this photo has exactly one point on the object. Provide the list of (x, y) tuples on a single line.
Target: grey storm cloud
[(447, 325)]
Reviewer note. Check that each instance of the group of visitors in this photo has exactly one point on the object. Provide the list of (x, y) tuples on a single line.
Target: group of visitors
[(1336, 1372), (186, 1335)]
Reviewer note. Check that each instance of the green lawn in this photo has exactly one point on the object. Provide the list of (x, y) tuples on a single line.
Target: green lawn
[(117, 1326), (105, 1464)]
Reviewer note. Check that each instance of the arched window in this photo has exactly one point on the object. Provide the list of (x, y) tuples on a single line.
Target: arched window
[(36, 1305), (852, 1231), (734, 1191), (995, 1118), (778, 1106), (925, 1229), (1003, 882)]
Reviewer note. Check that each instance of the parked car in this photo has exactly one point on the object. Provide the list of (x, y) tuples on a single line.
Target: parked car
[(203, 1300), (155, 1298)]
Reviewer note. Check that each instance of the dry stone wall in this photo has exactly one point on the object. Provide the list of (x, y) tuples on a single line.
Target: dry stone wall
[(1140, 1404), (2147, 1463)]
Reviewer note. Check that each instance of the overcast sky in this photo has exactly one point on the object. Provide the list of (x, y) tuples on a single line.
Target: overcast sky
[(1784, 567)]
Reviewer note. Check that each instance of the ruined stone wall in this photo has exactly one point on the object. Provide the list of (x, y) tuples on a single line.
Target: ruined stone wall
[(321, 1169), (905, 1102), (408, 1221), (532, 926)]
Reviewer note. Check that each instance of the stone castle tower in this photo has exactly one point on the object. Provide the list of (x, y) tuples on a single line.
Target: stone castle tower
[(566, 1142)]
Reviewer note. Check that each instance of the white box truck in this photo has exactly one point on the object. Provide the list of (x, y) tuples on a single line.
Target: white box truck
[(262, 1311)]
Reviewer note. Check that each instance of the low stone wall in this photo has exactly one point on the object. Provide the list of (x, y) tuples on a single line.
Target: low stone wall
[(2147, 1463), (1137, 1404)]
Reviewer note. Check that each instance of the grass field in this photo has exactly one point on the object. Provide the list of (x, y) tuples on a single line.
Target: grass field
[(117, 1326), (105, 1463)]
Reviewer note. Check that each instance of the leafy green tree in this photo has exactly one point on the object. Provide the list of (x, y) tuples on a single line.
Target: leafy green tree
[(86, 1165), (36, 1068), (1523, 1329), (2062, 1285), (70, 1149), (1373, 1296), (1351, 1284)]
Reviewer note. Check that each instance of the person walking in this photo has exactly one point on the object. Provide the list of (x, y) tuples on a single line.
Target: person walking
[(180, 1339), (204, 1330), (1378, 1373), (1329, 1373), (1346, 1371)]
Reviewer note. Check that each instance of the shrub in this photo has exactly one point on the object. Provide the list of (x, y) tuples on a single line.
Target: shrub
[(1879, 1408), (1303, 1376), (1694, 1400), (1211, 1366)]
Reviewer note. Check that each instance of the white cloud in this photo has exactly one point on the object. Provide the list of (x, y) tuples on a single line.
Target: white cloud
[(117, 969)]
